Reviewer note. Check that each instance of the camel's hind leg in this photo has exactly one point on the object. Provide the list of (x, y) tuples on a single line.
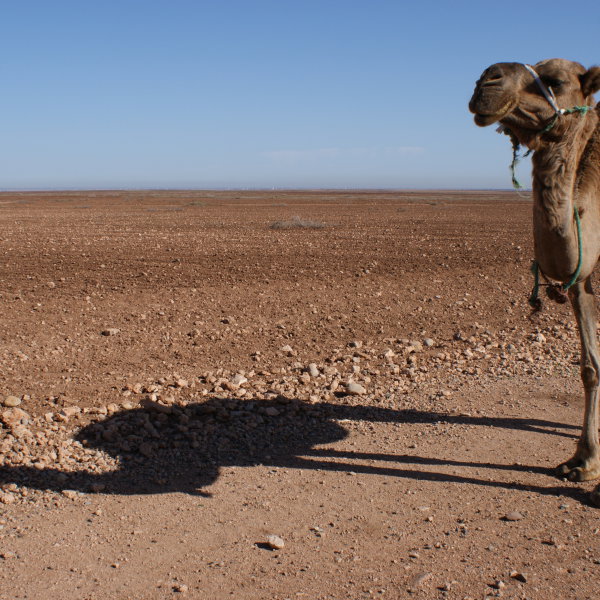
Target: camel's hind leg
[(585, 464)]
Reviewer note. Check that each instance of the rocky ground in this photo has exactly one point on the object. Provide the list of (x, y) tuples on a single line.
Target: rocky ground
[(284, 395)]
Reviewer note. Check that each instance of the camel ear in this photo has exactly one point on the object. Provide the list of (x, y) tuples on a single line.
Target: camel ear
[(590, 81)]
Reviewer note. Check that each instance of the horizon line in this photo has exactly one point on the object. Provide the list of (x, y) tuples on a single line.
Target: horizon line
[(255, 189)]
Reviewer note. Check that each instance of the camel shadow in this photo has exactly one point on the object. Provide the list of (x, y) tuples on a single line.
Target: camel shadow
[(182, 448)]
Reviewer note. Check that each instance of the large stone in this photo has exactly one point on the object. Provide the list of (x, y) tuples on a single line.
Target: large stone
[(13, 417), (275, 542), (355, 389), (11, 401)]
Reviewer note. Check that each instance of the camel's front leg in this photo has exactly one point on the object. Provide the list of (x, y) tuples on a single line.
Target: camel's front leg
[(585, 464)]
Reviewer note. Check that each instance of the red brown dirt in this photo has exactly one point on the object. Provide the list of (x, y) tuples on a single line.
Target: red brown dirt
[(142, 468)]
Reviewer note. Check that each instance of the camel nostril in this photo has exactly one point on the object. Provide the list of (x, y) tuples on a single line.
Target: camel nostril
[(492, 80), (492, 76)]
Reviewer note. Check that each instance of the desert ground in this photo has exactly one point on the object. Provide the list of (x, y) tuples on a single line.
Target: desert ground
[(285, 395)]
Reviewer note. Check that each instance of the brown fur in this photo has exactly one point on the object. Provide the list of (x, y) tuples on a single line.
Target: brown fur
[(566, 174)]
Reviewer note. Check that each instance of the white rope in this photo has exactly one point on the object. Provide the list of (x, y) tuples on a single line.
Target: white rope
[(547, 91)]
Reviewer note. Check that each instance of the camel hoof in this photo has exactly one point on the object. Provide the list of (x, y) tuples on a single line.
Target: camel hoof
[(577, 474), (595, 496), (564, 469), (580, 470)]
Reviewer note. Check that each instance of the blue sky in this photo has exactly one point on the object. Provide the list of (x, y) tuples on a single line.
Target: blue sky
[(264, 93)]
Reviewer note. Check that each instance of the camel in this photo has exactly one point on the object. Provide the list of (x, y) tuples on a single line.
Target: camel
[(550, 109)]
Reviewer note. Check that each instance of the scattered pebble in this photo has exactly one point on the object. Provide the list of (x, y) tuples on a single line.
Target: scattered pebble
[(239, 379), (13, 417), (6, 498), (110, 331), (275, 542), (70, 411), (11, 401), (313, 370), (513, 516), (355, 389), (418, 580)]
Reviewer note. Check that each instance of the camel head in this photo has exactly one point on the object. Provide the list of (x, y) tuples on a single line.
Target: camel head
[(508, 93)]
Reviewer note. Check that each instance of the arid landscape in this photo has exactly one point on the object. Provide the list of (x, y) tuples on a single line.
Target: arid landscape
[(285, 395)]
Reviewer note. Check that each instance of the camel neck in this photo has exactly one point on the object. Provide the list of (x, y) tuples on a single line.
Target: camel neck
[(555, 172)]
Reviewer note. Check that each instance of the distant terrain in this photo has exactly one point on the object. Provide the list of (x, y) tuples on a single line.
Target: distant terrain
[(187, 374)]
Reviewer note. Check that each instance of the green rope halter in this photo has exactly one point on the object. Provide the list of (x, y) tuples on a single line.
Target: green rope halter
[(534, 300), (516, 159), (566, 111)]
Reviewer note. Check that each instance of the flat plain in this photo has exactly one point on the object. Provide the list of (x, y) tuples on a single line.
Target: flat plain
[(187, 373)]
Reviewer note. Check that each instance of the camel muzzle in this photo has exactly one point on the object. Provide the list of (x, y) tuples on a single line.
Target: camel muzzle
[(491, 100)]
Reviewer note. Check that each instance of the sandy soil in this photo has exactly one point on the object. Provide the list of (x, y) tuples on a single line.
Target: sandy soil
[(185, 374)]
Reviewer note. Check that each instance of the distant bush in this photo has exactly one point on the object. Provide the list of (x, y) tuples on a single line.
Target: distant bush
[(298, 223)]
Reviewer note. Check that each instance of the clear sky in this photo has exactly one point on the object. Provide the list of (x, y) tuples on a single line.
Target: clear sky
[(265, 93)]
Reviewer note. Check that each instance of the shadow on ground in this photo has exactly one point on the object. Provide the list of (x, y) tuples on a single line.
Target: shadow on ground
[(183, 450)]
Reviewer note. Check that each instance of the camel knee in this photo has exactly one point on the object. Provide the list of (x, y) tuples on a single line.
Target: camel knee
[(589, 377)]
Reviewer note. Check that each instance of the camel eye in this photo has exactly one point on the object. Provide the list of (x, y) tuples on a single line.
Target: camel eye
[(552, 82)]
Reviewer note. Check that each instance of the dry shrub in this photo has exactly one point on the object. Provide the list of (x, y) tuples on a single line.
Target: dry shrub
[(297, 223)]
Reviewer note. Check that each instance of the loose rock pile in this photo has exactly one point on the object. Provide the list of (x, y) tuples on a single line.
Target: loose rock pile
[(175, 432)]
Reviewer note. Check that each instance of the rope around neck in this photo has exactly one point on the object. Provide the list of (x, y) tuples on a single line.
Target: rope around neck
[(558, 291), (534, 300)]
